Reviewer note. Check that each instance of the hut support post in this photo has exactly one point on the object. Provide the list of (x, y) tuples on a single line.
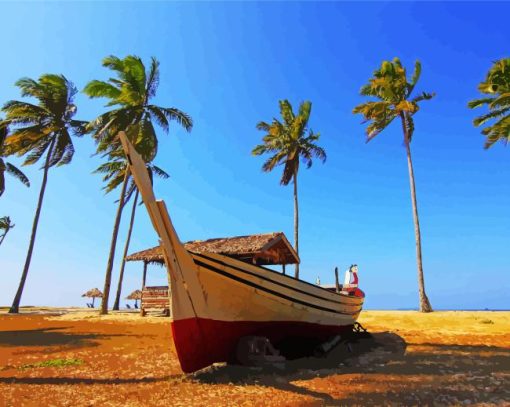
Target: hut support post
[(144, 277), (337, 284), (283, 268), (93, 299)]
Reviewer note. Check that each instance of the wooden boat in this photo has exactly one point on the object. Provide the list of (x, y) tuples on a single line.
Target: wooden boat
[(216, 300)]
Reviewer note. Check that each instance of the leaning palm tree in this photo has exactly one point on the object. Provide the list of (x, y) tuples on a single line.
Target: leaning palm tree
[(6, 167), (5, 226), (114, 171), (42, 130), (496, 87), (130, 94), (393, 90), (287, 142)]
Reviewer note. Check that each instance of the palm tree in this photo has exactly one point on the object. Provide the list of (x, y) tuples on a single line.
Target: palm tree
[(42, 129), (114, 171), (393, 90), (287, 142), (5, 226), (497, 89), (6, 167), (130, 93)]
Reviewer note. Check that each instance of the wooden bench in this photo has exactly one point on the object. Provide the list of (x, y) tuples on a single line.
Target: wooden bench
[(155, 300)]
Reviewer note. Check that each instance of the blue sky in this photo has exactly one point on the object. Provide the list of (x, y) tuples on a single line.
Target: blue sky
[(227, 65)]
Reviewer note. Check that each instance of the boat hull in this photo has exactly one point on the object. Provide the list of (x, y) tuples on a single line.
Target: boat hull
[(247, 300), (223, 337)]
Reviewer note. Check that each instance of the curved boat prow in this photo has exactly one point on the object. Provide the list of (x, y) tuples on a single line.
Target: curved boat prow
[(187, 292)]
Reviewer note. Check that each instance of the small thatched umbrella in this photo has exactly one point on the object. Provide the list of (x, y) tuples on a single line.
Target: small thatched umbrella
[(135, 295), (94, 293)]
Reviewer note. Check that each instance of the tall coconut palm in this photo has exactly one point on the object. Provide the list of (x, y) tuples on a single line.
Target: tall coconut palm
[(114, 171), (287, 142), (5, 226), (42, 130), (391, 88), (496, 87), (130, 93), (6, 167)]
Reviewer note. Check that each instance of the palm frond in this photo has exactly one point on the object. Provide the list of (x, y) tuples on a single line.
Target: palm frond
[(63, 149), (414, 78), (286, 112), (305, 109), (423, 96), (159, 117), (18, 112), (272, 162), (17, 173), (37, 152), (101, 89), (290, 168), (501, 101), (479, 102), (499, 131), (159, 172), (152, 79), (263, 126), (491, 115), (179, 116)]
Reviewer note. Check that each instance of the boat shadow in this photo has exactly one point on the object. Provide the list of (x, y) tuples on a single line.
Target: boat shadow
[(360, 356), (425, 374)]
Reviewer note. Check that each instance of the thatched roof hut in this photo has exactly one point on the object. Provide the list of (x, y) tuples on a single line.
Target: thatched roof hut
[(264, 249), (94, 293), (135, 295)]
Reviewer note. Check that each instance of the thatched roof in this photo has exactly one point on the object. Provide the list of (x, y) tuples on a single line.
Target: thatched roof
[(268, 248), (94, 293), (135, 295)]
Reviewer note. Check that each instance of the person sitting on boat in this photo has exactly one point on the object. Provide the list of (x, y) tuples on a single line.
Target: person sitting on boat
[(351, 280)]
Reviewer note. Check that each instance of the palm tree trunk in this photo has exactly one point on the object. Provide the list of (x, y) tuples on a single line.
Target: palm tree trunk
[(5, 234), (126, 248), (424, 301), (17, 298), (296, 222), (109, 266)]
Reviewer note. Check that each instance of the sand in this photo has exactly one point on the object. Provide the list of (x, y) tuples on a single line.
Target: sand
[(82, 359)]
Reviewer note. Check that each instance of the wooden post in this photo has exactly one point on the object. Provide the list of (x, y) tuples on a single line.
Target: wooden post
[(337, 284), (283, 268), (144, 274), (143, 286)]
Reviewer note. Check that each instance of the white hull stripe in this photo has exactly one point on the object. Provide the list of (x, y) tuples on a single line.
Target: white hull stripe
[(276, 293)]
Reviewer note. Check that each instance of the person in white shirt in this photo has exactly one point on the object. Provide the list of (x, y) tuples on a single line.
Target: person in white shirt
[(351, 279)]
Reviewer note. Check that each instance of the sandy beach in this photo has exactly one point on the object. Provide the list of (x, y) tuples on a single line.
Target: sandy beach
[(81, 359)]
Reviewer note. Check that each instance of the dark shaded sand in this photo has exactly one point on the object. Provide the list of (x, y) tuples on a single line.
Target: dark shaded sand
[(444, 358)]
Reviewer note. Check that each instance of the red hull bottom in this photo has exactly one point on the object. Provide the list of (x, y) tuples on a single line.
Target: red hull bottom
[(201, 342)]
